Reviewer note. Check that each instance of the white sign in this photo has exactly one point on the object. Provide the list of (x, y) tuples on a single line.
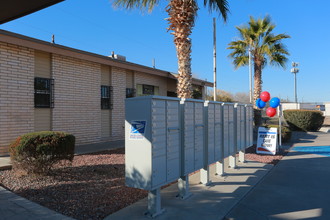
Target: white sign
[(267, 140), (137, 130)]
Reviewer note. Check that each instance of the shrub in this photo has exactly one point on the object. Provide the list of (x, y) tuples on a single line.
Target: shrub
[(38, 152), (304, 120), (285, 132)]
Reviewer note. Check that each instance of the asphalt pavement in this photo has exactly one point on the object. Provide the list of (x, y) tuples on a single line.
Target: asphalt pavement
[(297, 188)]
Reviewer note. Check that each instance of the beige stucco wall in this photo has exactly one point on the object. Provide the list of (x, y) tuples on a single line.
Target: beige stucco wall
[(77, 98), (118, 78), (16, 93), (161, 82)]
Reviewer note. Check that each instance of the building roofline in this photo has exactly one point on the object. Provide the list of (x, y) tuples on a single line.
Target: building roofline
[(13, 9), (33, 43)]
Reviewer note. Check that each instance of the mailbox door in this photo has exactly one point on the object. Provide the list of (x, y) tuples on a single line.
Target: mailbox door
[(250, 125), (238, 124), (231, 129), (158, 121), (189, 134), (243, 128), (173, 140), (218, 132), (226, 131), (199, 135), (240, 128), (211, 133)]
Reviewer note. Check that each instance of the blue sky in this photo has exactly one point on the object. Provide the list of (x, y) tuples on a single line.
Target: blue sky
[(95, 26)]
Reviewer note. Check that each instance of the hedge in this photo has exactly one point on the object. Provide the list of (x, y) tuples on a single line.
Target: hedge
[(38, 152), (285, 132), (304, 120)]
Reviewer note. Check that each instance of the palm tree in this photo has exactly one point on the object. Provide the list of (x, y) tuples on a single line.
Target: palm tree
[(265, 47), (182, 14)]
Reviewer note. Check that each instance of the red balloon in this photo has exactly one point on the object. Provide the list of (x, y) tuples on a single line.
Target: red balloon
[(271, 112), (265, 96)]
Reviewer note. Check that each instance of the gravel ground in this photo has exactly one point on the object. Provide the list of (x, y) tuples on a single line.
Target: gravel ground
[(250, 154), (92, 187)]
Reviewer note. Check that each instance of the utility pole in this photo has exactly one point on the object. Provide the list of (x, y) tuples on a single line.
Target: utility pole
[(295, 70), (214, 61)]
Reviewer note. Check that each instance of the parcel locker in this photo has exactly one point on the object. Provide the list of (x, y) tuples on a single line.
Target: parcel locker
[(193, 135), (249, 125), (240, 126), (214, 145), (152, 141), (229, 129)]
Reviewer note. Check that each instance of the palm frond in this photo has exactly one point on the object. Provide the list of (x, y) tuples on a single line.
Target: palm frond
[(266, 46), (218, 6), (139, 4)]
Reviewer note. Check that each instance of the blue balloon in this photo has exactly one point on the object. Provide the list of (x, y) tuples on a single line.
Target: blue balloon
[(260, 103), (274, 102)]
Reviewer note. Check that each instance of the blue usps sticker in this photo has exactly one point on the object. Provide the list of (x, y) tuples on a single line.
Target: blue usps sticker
[(137, 130)]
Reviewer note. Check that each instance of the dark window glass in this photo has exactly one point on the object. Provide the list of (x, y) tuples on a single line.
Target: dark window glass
[(43, 93), (148, 90), (106, 101), (171, 94), (130, 92)]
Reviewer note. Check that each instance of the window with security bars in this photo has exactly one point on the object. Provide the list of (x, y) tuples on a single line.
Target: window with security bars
[(143, 90), (130, 92), (106, 97), (43, 92)]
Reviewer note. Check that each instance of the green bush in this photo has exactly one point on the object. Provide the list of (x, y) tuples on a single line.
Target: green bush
[(38, 152), (285, 132), (304, 120)]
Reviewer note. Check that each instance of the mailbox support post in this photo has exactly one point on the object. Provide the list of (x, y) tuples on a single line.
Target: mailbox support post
[(232, 162), (241, 156), (219, 168), (154, 203), (205, 175), (183, 185)]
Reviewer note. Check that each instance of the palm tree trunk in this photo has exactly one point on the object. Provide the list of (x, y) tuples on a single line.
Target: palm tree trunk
[(257, 81), (182, 15), (257, 91)]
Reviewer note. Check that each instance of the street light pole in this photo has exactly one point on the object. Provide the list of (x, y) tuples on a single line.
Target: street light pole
[(295, 70), (250, 75), (214, 61)]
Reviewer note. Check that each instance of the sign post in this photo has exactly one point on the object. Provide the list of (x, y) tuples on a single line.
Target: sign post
[(267, 141)]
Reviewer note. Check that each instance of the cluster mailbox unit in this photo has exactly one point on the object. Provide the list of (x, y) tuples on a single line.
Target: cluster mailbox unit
[(166, 139)]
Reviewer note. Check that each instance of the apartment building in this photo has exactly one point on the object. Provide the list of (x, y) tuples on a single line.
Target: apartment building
[(46, 86)]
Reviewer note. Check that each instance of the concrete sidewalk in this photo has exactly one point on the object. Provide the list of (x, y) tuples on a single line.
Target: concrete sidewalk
[(207, 202), (297, 188)]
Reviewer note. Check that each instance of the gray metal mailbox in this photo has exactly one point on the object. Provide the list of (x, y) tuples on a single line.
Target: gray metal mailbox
[(214, 123), (228, 129), (241, 126), (249, 125), (193, 135), (152, 142)]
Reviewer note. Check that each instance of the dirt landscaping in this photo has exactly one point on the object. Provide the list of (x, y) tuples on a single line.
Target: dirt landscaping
[(92, 187)]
